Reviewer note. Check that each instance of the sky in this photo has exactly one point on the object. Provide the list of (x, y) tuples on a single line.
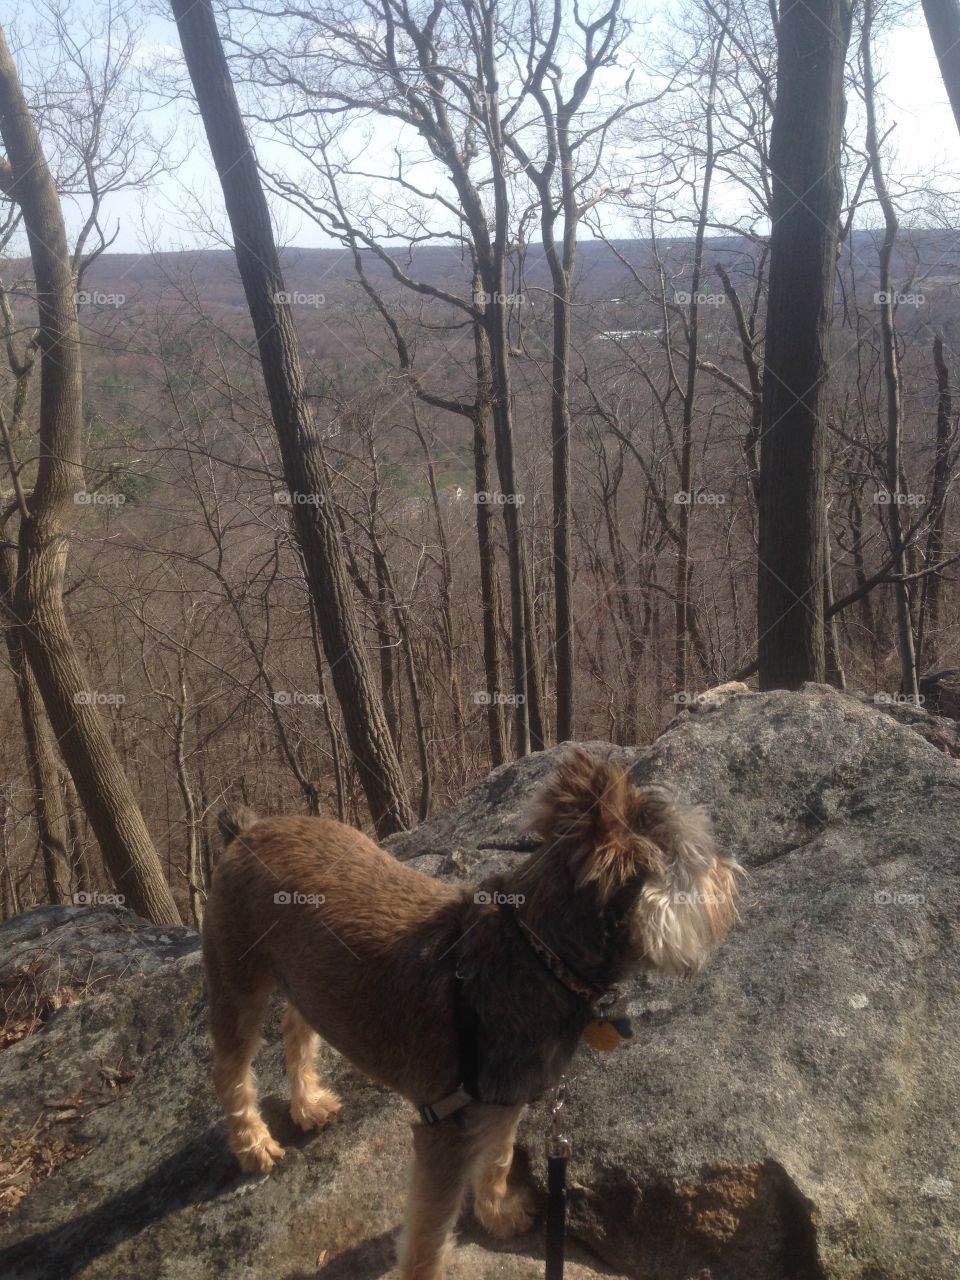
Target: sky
[(183, 208)]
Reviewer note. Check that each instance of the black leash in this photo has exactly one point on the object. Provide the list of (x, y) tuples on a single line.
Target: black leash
[(558, 1152)]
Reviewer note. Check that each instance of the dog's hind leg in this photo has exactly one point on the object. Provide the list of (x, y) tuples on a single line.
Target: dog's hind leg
[(503, 1211), (235, 1020), (311, 1105)]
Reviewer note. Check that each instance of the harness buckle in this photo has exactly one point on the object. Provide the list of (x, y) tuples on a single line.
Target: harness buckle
[(437, 1112)]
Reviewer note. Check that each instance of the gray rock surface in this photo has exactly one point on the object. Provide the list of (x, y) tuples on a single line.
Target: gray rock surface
[(941, 730), (790, 1114)]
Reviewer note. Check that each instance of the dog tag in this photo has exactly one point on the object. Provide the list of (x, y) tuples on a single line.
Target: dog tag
[(607, 1034)]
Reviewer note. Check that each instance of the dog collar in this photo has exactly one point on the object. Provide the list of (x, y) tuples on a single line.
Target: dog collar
[(599, 998)]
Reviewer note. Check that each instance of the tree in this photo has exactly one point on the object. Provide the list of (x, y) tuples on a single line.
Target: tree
[(805, 147), (559, 174), (299, 440), (943, 23), (891, 370), (38, 604)]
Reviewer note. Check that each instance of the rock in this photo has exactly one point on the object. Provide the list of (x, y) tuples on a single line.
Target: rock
[(939, 730), (85, 948), (790, 1114), (940, 691)]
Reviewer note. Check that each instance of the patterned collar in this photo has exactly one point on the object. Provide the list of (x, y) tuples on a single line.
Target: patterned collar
[(598, 998)]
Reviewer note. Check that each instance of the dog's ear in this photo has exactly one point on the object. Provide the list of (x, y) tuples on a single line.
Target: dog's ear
[(588, 807)]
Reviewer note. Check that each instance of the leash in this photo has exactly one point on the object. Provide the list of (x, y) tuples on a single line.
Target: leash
[(558, 1152)]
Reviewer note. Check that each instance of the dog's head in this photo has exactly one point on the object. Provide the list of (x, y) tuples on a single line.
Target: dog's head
[(636, 846)]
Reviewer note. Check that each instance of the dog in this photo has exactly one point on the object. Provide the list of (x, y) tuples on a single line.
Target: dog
[(469, 1002)]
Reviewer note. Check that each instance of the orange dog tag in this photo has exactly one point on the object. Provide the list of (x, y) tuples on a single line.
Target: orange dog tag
[(607, 1034)]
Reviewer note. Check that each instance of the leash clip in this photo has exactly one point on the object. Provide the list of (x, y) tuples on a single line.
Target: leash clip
[(558, 1144)]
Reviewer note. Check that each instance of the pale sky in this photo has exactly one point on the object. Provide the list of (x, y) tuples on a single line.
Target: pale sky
[(925, 142)]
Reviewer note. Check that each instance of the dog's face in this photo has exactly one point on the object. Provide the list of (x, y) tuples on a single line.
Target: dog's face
[(637, 846)]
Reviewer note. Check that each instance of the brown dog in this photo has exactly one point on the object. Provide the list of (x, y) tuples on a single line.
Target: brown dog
[(468, 1002)]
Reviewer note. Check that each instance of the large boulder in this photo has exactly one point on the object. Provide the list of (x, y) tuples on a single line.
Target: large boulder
[(113, 1158), (790, 1114)]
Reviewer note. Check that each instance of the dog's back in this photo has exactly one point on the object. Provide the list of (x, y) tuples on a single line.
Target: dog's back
[(342, 927)]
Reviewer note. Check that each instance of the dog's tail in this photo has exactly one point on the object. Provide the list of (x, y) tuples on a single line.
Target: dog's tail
[(232, 823)]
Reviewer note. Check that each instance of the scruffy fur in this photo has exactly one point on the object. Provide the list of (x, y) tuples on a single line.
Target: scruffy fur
[(369, 952)]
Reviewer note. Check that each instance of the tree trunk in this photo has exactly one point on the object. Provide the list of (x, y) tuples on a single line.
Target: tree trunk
[(561, 269), (489, 582), (943, 23), (805, 163), (891, 374), (520, 619), (928, 638), (493, 256), (834, 662), (314, 520), (683, 609), (77, 724), (44, 772)]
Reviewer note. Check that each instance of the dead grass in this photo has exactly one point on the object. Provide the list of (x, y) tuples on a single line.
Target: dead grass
[(29, 1158), (26, 1003)]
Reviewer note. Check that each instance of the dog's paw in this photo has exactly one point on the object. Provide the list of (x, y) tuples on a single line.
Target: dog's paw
[(260, 1156), (511, 1215), (314, 1111)]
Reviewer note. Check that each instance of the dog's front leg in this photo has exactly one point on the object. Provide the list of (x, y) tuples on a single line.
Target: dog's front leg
[(443, 1157)]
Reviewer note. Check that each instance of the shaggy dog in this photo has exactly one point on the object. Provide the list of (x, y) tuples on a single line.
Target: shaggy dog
[(469, 1002)]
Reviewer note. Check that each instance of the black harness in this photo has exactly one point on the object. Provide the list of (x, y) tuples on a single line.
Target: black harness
[(467, 1030)]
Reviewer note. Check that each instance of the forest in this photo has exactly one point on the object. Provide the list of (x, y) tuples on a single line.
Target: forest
[(612, 359)]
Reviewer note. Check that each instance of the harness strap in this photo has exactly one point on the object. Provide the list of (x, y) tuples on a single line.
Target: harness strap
[(435, 1112), (467, 1028), (466, 1031)]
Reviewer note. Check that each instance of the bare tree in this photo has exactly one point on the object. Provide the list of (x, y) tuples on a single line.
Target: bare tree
[(805, 164), (300, 445), (891, 368), (559, 175), (101, 783)]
